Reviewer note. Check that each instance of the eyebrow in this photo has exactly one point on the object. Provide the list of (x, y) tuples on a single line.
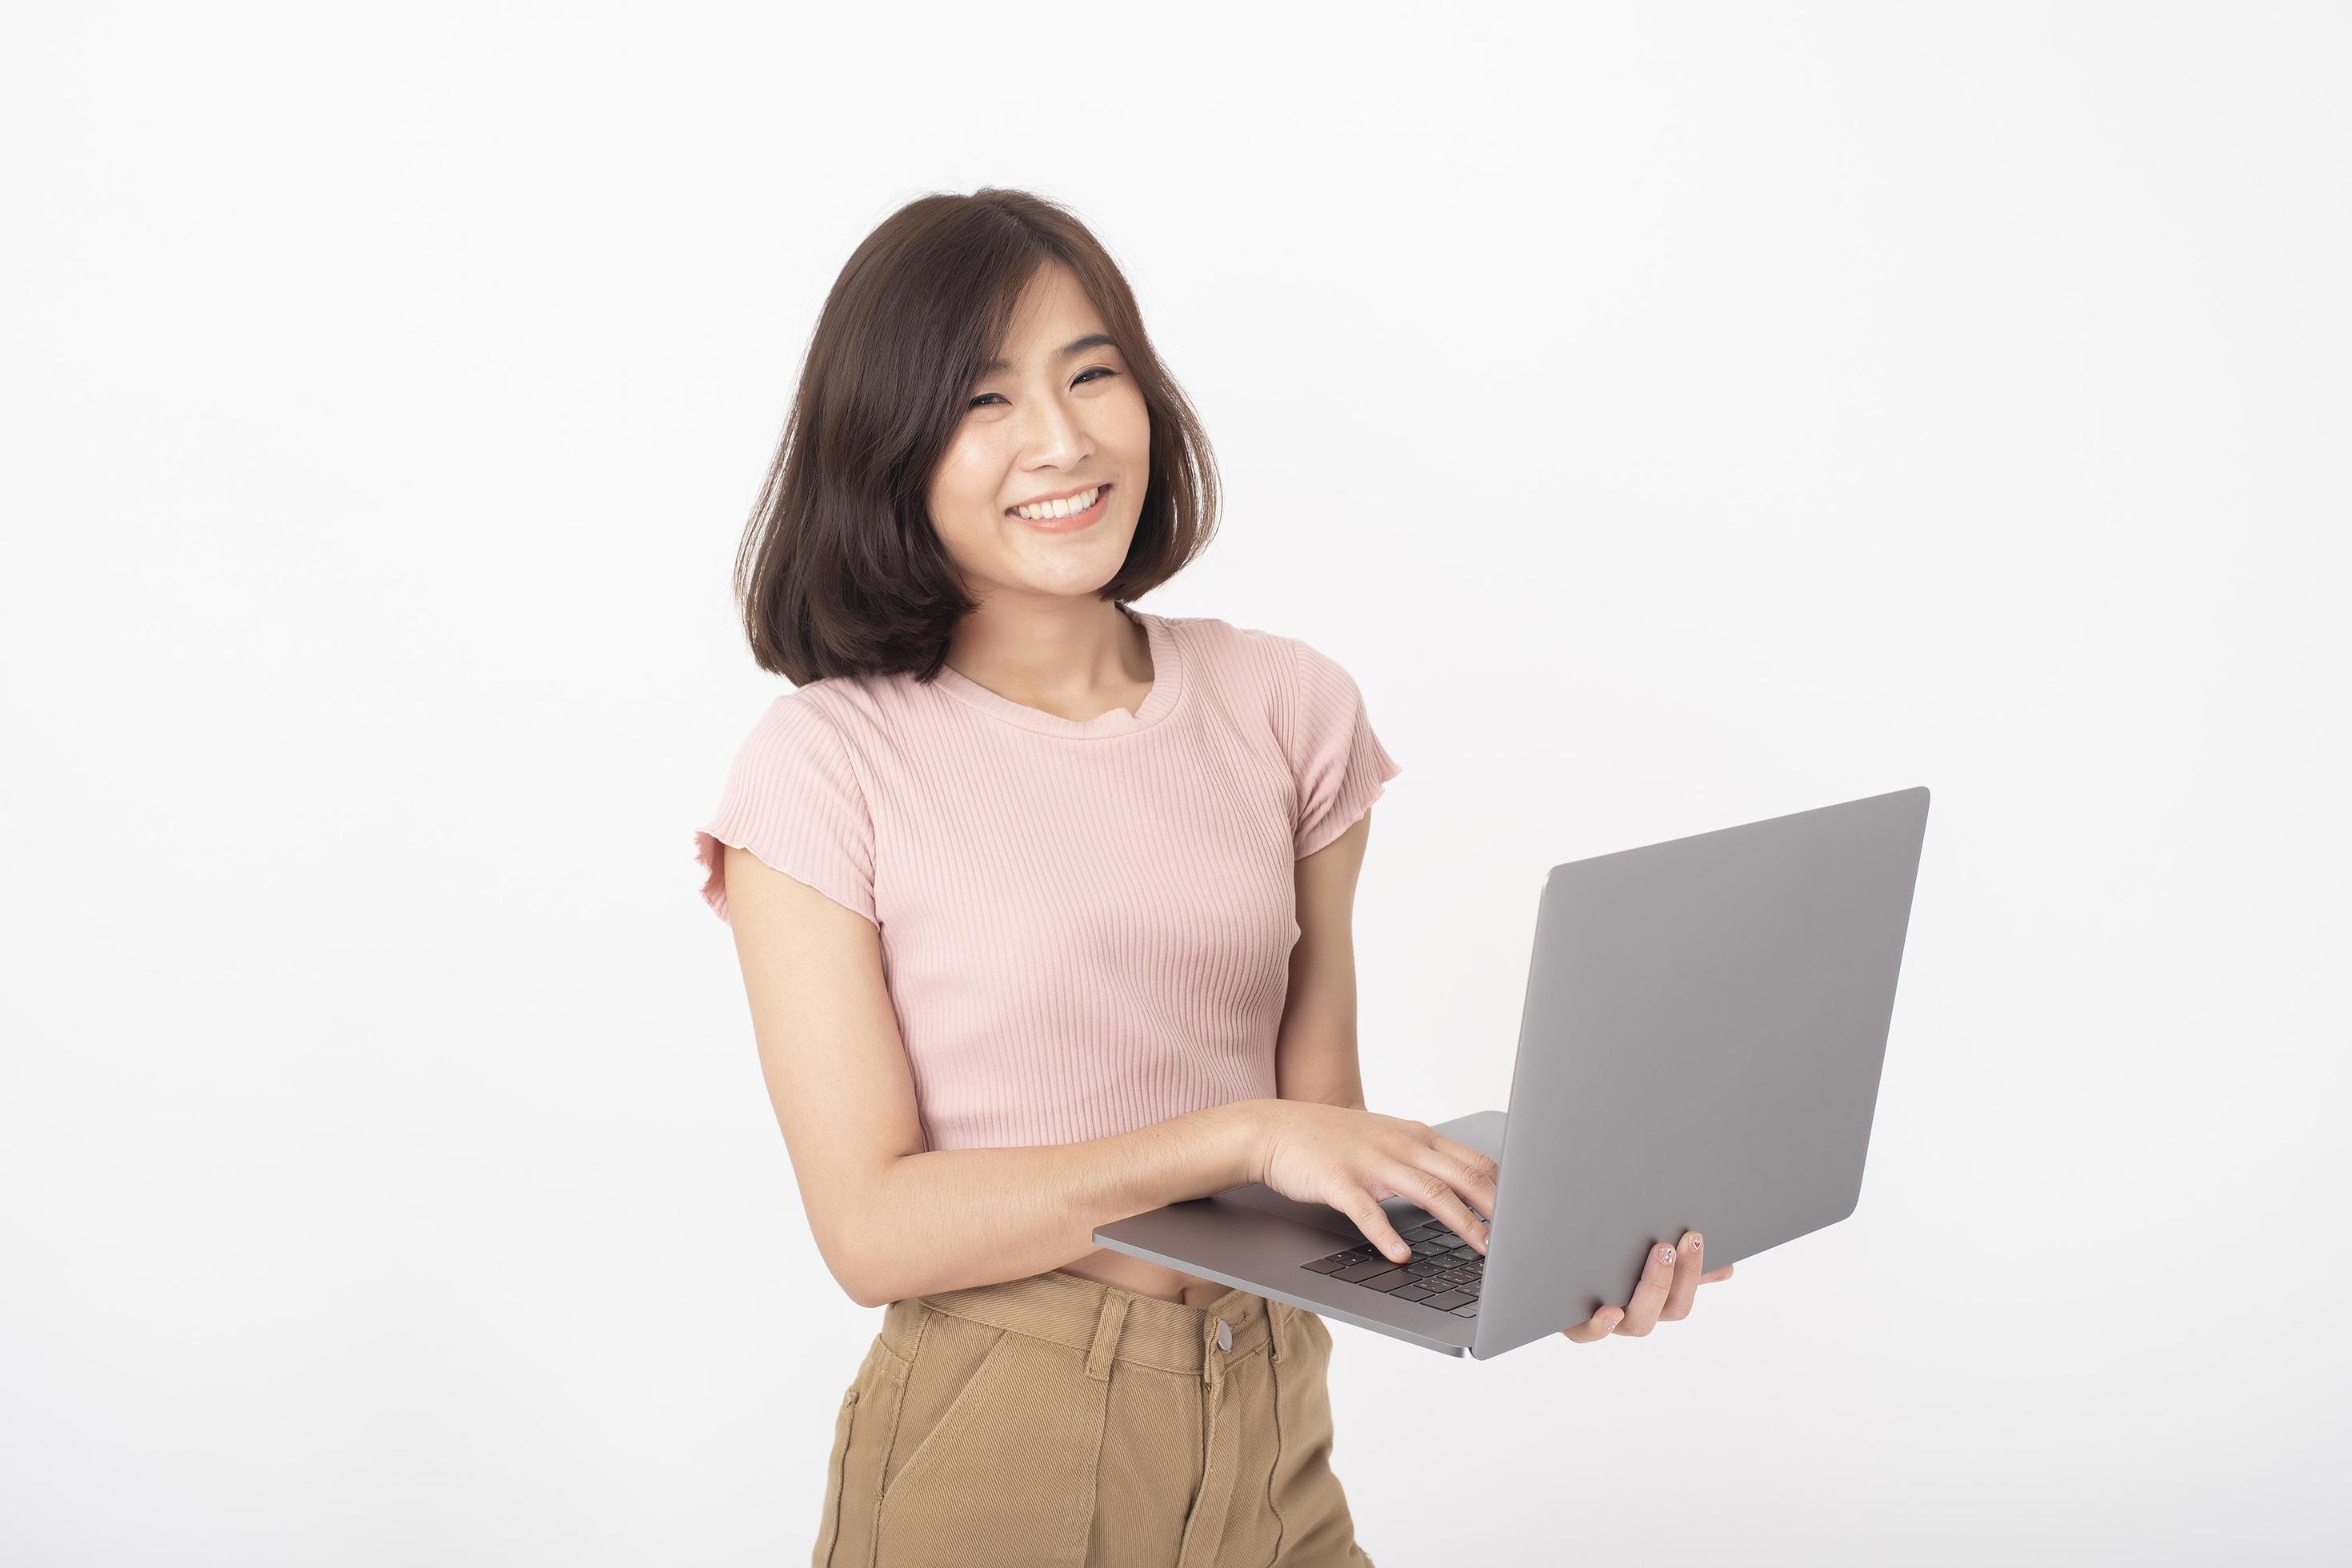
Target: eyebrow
[(1076, 345)]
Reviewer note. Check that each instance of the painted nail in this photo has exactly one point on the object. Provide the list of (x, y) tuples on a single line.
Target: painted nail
[(1666, 1254)]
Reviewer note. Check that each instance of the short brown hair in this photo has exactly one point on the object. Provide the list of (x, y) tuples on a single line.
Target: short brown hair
[(840, 572)]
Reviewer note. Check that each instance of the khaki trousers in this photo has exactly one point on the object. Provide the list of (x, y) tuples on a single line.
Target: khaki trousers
[(1058, 1420)]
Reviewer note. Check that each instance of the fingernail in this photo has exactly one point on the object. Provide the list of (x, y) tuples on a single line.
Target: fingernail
[(1666, 1254), (1695, 1243)]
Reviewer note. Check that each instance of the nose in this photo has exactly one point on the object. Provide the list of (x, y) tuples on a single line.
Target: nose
[(1050, 433)]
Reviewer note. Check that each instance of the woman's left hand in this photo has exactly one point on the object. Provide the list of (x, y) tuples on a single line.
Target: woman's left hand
[(1669, 1280)]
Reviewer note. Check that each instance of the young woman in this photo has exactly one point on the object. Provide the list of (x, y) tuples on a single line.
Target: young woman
[(1043, 907)]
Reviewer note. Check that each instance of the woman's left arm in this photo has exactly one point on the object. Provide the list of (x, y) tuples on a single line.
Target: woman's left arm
[(1314, 1054)]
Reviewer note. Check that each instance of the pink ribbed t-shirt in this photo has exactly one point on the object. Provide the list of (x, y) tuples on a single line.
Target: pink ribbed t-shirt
[(1085, 926)]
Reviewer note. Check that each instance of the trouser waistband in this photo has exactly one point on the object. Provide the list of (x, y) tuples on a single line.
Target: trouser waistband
[(1106, 1322)]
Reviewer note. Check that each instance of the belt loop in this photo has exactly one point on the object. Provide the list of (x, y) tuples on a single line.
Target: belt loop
[(1212, 1360), (1274, 1321), (1107, 1332)]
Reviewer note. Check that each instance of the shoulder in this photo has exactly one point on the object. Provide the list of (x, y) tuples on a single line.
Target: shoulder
[(800, 731), (796, 800), (1313, 714), (1291, 674), (804, 714), (1274, 661), (849, 708)]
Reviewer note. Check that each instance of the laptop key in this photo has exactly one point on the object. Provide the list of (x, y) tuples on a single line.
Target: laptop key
[(1363, 1271), (1389, 1281), (1447, 1303), (1412, 1293), (1468, 1311), (1325, 1266)]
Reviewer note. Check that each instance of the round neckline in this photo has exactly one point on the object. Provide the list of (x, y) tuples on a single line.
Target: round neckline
[(1167, 687)]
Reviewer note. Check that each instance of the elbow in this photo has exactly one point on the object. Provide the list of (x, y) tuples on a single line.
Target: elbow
[(860, 1287), (863, 1263), (861, 1249), (860, 1276)]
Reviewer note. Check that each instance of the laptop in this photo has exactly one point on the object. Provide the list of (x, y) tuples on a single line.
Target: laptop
[(1700, 1047)]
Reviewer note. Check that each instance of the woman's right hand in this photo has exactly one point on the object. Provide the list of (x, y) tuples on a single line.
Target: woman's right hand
[(1351, 1159)]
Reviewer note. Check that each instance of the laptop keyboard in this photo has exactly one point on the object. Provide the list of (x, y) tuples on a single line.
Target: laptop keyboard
[(1445, 1272)]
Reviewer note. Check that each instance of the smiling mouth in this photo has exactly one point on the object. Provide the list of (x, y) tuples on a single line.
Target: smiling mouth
[(1056, 510)]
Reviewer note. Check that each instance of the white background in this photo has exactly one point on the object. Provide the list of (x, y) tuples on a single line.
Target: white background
[(1671, 421)]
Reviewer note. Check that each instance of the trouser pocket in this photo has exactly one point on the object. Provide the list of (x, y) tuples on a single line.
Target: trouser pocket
[(994, 1460), (861, 1441), (828, 1530)]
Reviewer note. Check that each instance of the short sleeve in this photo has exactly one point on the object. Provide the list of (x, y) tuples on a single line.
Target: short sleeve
[(1341, 765), (793, 800)]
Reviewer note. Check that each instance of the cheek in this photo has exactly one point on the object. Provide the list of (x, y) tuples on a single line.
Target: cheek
[(1130, 428), (965, 486)]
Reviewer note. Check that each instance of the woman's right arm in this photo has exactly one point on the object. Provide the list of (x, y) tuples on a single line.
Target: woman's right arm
[(892, 1220)]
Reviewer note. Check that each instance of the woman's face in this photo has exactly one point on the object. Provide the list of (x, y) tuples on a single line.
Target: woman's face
[(1058, 417)]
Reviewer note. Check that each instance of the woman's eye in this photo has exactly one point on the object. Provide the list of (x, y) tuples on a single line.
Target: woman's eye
[(1097, 370)]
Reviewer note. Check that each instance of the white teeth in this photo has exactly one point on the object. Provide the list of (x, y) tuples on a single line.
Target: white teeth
[(1047, 510)]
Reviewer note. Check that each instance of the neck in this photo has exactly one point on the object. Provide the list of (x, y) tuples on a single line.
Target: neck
[(1077, 658)]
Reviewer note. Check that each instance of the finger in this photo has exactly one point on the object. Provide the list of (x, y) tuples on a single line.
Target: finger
[(1712, 1275), (1650, 1294), (1468, 1178), (1684, 1288), (1481, 1171), (1373, 1221), (1430, 1191), (1600, 1326)]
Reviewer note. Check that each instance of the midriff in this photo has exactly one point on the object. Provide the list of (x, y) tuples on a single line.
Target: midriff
[(1134, 1274)]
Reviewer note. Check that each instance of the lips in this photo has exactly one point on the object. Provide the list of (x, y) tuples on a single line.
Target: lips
[(1070, 523), (1069, 494)]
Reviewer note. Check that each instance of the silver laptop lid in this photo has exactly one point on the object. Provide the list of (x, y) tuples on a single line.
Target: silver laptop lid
[(1700, 1047)]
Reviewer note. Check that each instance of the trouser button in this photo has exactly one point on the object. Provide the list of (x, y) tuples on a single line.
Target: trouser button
[(1225, 1335)]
